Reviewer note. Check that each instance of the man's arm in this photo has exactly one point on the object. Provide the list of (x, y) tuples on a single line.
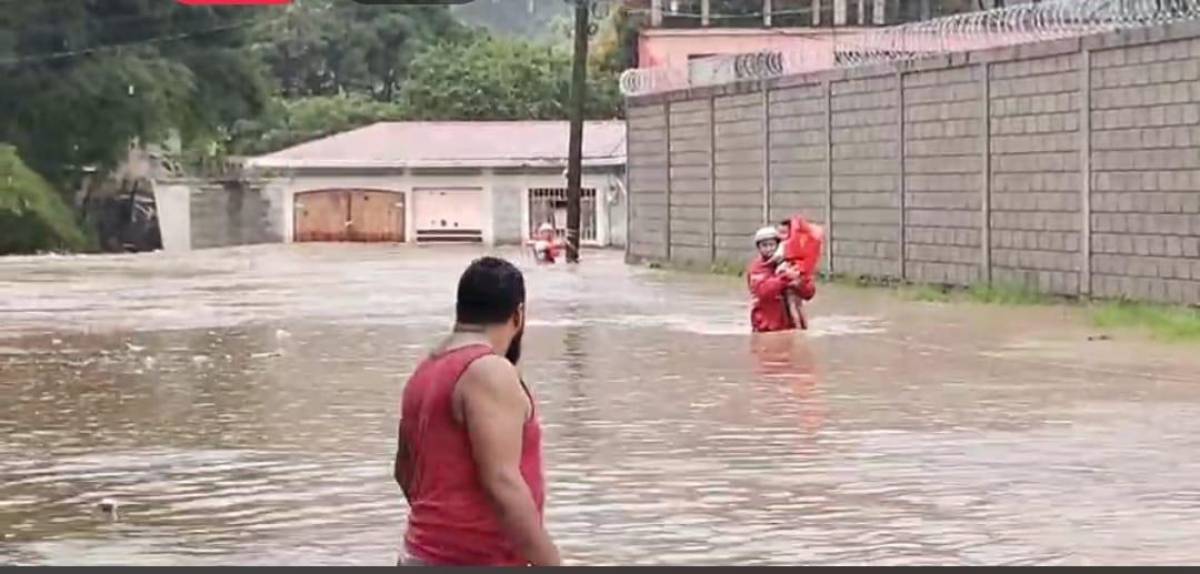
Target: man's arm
[(494, 409), (400, 470), (765, 284)]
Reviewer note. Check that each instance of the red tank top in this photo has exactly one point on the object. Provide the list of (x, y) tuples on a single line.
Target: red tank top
[(452, 520)]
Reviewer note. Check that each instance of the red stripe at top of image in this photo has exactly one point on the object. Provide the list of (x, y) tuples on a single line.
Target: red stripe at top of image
[(233, 2)]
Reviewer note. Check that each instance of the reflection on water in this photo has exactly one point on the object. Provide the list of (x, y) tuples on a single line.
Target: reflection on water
[(240, 405)]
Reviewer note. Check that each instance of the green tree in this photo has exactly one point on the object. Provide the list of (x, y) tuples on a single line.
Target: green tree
[(331, 47), (32, 216), (81, 80), (499, 79)]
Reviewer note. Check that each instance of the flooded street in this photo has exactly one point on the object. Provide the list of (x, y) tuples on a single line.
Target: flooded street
[(240, 405)]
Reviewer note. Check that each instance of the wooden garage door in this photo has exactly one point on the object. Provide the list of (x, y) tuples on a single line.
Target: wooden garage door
[(454, 215), (349, 215)]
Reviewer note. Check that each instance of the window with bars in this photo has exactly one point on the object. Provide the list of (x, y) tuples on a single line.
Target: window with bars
[(549, 205)]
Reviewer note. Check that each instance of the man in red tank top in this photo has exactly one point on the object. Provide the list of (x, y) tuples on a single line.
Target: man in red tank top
[(469, 458)]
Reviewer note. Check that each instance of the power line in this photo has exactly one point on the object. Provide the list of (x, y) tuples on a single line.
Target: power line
[(50, 56)]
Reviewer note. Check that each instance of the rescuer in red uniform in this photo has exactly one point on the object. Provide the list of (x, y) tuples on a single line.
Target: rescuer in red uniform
[(768, 286)]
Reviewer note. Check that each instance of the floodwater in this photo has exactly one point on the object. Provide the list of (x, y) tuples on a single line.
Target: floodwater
[(240, 406)]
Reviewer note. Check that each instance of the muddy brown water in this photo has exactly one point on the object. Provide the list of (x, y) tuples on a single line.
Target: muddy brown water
[(240, 405)]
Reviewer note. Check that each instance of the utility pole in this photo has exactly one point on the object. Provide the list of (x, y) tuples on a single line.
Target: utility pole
[(575, 146)]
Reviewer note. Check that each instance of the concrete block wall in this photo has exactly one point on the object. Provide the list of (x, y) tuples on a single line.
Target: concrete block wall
[(1070, 167), (799, 153), (234, 213), (865, 138), (1035, 141), (692, 182), (1145, 172), (944, 186), (647, 180), (739, 149)]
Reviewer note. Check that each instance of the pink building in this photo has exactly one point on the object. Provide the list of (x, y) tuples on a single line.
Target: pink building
[(675, 47)]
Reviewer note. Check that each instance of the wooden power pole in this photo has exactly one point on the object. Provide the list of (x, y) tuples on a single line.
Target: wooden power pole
[(575, 146)]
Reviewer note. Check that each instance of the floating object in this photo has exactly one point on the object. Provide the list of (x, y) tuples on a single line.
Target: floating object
[(281, 335), (108, 507), (134, 348)]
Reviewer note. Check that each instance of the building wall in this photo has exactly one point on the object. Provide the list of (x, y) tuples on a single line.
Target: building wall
[(505, 196), (1069, 167), (673, 47)]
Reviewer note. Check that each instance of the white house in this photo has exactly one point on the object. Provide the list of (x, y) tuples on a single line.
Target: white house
[(489, 182)]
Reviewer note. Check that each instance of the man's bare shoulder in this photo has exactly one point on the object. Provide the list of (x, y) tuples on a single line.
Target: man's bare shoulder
[(491, 375)]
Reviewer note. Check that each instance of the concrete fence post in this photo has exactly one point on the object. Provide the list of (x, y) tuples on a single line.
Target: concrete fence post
[(1085, 171), (667, 216), (827, 86), (712, 177), (900, 171), (985, 138), (766, 155)]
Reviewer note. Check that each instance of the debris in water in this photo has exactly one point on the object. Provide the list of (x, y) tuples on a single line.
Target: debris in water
[(134, 348), (200, 359), (282, 335), (108, 506), (56, 342), (266, 355), (1099, 338)]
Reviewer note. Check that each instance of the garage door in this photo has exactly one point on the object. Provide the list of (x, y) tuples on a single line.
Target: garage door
[(349, 215), (448, 215)]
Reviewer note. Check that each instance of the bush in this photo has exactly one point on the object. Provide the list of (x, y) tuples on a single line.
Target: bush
[(33, 218)]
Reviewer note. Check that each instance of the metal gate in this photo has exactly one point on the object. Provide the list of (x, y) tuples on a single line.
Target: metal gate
[(549, 205)]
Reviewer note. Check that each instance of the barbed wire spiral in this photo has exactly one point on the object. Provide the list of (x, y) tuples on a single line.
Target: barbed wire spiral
[(1013, 25)]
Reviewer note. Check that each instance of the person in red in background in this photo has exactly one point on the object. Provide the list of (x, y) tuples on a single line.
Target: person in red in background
[(546, 245), (768, 309)]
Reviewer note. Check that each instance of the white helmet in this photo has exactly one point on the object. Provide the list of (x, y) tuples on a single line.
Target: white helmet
[(764, 234), (545, 227)]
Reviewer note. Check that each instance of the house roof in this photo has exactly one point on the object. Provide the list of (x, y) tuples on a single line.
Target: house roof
[(454, 144)]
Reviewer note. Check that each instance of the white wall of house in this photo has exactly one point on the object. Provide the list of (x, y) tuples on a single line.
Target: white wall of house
[(503, 222)]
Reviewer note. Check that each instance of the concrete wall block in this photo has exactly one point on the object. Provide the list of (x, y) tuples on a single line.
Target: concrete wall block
[(957, 110), (1036, 221), (965, 238), (939, 165), (967, 183), (801, 138), (943, 218), (780, 124), (866, 267), (814, 212), (961, 147), (725, 103), (691, 187), (850, 200), (843, 231), (868, 216), (803, 169), (1037, 162), (690, 255), (864, 134), (801, 93), (736, 155), (738, 190), (924, 200), (941, 254), (727, 130), (738, 170), (843, 168), (881, 117), (743, 228), (688, 120), (881, 250)]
